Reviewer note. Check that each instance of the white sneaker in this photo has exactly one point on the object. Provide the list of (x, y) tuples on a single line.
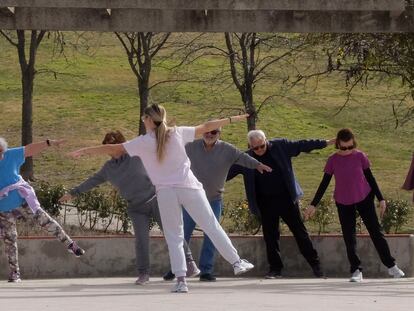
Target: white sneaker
[(242, 266), (180, 287), (396, 272), (356, 276)]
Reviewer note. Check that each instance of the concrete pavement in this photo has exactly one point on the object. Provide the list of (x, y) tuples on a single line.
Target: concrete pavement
[(226, 294)]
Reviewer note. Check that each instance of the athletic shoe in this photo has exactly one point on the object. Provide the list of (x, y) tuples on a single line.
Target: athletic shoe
[(273, 275), (169, 276), (75, 249), (192, 269), (143, 279), (317, 271), (242, 266), (207, 277), (356, 276), (396, 272), (14, 277), (180, 287)]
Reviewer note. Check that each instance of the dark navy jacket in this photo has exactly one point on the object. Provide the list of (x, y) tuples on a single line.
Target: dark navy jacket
[(282, 150)]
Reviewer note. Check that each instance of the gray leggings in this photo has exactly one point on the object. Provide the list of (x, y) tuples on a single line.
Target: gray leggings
[(140, 216)]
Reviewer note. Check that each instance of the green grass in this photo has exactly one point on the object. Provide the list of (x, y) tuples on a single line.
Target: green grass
[(93, 94)]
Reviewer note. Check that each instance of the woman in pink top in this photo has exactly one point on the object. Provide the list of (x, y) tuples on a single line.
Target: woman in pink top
[(163, 154), (355, 188)]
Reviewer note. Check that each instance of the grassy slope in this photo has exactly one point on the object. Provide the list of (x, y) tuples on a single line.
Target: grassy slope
[(98, 93)]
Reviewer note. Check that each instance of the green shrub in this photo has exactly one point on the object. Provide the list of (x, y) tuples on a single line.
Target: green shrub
[(240, 219), (48, 196), (396, 215), (324, 216), (104, 207)]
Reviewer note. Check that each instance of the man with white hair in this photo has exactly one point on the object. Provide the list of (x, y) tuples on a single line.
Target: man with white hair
[(18, 201), (276, 195), (211, 159)]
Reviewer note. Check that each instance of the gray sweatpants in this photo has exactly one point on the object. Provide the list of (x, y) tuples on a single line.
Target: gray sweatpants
[(140, 216)]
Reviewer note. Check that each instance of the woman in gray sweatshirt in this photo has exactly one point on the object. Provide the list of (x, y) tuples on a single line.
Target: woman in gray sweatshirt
[(129, 176)]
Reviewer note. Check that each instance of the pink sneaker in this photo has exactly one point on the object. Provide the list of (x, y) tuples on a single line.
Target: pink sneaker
[(192, 269), (143, 279)]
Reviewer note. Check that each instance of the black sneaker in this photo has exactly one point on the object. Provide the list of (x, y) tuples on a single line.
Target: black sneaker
[(75, 249), (317, 271), (272, 274), (169, 276), (207, 277)]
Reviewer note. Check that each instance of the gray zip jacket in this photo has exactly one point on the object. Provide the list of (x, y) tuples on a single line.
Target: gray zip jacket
[(127, 174)]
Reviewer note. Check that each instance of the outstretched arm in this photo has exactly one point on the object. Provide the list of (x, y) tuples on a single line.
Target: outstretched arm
[(93, 181), (36, 148), (213, 125), (249, 162), (306, 145), (114, 150)]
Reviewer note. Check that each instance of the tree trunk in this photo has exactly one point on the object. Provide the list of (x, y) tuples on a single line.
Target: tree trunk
[(143, 91), (27, 119), (28, 73), (249, 106)]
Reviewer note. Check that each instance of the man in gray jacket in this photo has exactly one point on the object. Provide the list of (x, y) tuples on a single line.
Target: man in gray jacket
[(211, 160)]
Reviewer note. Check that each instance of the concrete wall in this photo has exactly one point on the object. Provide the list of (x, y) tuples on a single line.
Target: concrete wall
[(114, 256)]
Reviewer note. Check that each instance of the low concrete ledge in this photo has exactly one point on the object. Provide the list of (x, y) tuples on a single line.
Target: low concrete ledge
[(322, 5), (111, 256)]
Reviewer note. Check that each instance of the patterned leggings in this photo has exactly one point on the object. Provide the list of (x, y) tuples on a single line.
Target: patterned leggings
[(8, 223)]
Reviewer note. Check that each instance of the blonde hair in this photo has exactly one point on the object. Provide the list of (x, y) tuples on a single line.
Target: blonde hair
[(159, 116)]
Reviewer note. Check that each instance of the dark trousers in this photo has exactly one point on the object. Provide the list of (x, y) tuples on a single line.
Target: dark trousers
[(347, 218), (272, 209)]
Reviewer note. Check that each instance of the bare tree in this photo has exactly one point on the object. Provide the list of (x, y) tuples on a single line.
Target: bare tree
[(251, 60), (250, 55), (27, 61), (141, 48)]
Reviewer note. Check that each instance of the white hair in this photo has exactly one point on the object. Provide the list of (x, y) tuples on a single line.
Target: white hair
[(255, 134), (3, 144)]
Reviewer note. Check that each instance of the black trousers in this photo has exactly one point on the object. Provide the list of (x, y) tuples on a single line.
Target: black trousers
[(272, 208), (347, 218)]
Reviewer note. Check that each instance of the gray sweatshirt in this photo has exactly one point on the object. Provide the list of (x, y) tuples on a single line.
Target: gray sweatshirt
[(211, 167), (127, 174)]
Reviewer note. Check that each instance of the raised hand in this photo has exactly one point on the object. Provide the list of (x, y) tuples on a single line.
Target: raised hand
[(263, 168), (331, 141), (383, 208), (66, 197), (239, 117), (76, 154), (309, 212), (57, 142)]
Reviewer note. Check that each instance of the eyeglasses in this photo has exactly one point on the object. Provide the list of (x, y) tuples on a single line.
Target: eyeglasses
[(258, 147), (214, 132), (343, 148)]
